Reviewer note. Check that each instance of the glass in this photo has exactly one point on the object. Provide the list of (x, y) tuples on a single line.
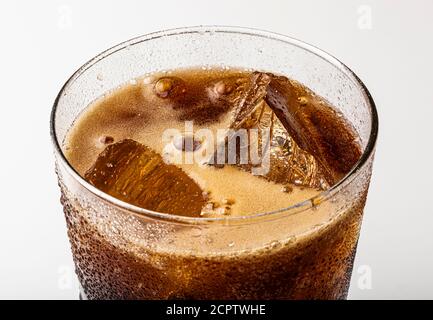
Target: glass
[(125, 252)]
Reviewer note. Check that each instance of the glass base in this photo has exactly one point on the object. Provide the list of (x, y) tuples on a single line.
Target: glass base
[(81, 294)]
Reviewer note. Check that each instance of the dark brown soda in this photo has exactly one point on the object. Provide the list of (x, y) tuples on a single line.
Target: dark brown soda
[(313, 148)]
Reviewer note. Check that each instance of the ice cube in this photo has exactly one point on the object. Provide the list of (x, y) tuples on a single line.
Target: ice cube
[(243, 103), (134, 173), (250, 102), (315, 126), (288, 163)]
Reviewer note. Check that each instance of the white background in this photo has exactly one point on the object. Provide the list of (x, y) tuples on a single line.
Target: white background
[(43, 42)]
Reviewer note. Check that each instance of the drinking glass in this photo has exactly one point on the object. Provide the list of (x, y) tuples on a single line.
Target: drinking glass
[(304, 251)]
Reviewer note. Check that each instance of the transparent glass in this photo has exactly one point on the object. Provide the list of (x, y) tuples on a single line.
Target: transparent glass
[(305, 251)]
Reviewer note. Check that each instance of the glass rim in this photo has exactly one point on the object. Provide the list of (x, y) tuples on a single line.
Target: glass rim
[(295, 208)]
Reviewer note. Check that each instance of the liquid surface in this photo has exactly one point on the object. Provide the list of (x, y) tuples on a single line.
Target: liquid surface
[(119, 143)]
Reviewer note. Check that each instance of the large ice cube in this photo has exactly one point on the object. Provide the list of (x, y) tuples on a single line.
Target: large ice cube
[(288, 164), (315, 126), (134, 173)]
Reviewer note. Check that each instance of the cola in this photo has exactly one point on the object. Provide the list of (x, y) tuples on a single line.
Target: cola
[(152, 145)]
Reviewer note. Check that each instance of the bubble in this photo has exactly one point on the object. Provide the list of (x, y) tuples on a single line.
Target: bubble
[(287, 189), (303, 100), (228, 201), (106, 139), (169, 87), (222, 88), (163, 87)]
